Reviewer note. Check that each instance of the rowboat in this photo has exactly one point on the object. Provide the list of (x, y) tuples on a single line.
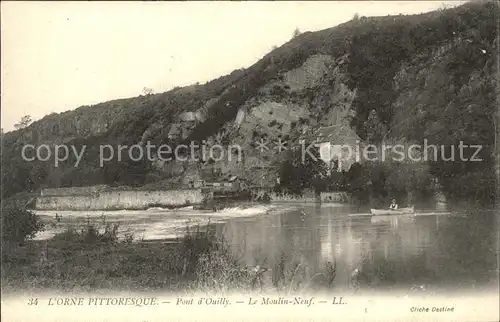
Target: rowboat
[(400, 211)]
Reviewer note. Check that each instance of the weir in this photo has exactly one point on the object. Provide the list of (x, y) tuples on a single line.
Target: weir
[(106, 198)]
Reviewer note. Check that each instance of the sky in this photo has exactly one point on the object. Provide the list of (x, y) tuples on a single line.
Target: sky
[(57, 56)]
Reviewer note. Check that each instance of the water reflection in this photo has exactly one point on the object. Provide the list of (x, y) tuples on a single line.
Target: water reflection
[(367, 253)]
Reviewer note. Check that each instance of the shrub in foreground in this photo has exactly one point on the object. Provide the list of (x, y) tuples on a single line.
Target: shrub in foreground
[(19, 224), (91, 233)]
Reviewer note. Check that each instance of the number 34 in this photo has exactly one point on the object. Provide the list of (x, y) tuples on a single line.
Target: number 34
[(33, 301)]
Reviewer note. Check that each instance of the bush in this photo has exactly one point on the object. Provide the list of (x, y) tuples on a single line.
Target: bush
[(92, 233), (19, 224), (196, 243), (208, 262)]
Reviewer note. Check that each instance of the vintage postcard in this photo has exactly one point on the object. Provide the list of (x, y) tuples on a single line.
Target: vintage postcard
[(250, 161)]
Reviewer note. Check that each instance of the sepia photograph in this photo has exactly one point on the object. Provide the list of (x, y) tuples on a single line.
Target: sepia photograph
[(250, 161)]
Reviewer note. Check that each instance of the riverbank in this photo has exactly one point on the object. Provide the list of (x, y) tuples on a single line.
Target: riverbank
[(90, 260), (87, 260), (90, 252)]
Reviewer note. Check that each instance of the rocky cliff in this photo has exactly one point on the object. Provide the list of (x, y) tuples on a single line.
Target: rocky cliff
[(429, 76)]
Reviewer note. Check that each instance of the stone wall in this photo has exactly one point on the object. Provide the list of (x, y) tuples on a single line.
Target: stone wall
[(114, 200), (73, 191)]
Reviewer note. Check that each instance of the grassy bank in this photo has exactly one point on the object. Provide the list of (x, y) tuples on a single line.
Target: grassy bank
[(93, 258)]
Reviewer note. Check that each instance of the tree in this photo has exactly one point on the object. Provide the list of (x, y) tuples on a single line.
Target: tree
[(126, 172), (24, 122), (355, 17), (409, 182), (147, 91), (375, 128), (19, 224), (296, 32), (300, 172)]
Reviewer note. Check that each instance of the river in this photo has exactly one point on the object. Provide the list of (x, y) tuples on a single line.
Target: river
[(434, 251), (304, 246)]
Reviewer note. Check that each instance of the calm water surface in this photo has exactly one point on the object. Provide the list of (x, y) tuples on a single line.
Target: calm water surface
[(315, 246), (431, 252)]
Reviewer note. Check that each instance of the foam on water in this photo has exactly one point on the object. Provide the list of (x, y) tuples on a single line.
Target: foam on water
[(174, 228), (242, 211), (156, 223), (158, 209)]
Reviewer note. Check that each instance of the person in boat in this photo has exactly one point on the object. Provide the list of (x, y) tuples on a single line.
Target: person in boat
[(394, 205)]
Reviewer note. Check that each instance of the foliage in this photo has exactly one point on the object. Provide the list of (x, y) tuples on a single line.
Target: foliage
[(84, 258), (210, 260), (374, 128), (19, 224), (91, 233), (379, 182), (147, 91), (409, 182), (455, 87), (198, 261), (24, 122), (379, 46), (127, 172), (302, 171), (296, 32)]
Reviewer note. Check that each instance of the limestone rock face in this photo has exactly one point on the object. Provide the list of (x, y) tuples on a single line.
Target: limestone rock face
[(312, 95), (310, 74)]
